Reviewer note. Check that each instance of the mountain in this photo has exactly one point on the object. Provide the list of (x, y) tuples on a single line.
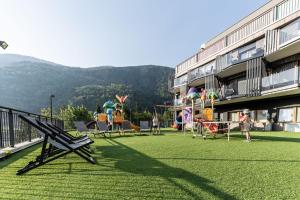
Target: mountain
[(26, 83), (9, 59)]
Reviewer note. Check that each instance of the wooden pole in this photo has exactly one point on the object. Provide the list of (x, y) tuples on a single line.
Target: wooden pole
[(193, 116)]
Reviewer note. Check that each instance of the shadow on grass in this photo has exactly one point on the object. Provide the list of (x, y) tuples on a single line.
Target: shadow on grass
[(268, 138), (14, 157), (229, 160), (132, 161)]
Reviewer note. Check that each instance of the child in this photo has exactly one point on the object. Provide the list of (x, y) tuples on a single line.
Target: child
[(246, 124)]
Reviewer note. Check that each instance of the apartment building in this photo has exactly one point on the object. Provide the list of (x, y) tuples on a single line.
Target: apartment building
[(253, 64)]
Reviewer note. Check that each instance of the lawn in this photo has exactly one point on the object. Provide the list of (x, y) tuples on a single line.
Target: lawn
[(170, 166)]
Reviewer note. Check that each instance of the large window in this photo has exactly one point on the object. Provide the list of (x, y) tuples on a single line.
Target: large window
[(262, 115), (286, 115)]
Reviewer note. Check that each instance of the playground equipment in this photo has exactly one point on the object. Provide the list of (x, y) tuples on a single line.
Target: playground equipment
[(192, 95), (113, 114), (212, 96), (187, 119), (214, 127)]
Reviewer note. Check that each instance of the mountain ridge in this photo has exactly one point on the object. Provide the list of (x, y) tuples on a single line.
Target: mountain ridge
[(27, 85)]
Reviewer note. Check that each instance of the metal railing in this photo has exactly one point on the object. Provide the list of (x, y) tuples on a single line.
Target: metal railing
[(14, 131), (281, 79), (200, 72), (180, 81), (235, 89), (250, 51)]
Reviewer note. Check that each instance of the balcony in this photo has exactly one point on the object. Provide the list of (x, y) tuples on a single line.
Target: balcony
[(234, 89), (284, 42), (200, 72), (224, 63), (180, 81), (280, 81)]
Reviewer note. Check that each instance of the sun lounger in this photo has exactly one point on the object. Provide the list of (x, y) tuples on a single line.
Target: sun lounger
[(70, 138), (145, 126), (82, 128), (102, 128), (58, 145), (126, 126)]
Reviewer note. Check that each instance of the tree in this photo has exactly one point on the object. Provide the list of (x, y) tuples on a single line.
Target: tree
[(46, 112), (70, 113)]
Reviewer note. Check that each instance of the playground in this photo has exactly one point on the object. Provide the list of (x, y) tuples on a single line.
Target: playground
[(111, 117), (167, 166)]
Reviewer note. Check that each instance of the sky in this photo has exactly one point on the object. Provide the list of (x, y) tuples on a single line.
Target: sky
[(89, 33)]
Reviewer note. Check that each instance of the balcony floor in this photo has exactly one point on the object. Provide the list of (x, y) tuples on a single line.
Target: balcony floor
[(169, 166)]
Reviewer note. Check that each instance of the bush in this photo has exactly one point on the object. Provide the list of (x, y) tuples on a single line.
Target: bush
[(70, 113)]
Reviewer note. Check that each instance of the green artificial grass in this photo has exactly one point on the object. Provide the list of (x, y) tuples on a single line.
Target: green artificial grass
[(169, 166)]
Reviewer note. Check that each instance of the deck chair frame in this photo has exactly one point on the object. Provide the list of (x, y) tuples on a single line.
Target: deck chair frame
[(82, 128), (102, 128), (58, 147)]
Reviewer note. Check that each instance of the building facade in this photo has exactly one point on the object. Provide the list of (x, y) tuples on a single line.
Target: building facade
[(253, 64)]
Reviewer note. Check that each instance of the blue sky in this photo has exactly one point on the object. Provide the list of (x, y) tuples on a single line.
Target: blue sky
[(90, 33)]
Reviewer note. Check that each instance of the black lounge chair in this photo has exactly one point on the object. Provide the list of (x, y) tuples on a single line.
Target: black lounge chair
[(59, 145), (62, 132), (82, 128), (70, 138), (102, 128)]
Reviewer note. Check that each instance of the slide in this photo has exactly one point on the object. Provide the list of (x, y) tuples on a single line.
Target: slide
[(134, 127)]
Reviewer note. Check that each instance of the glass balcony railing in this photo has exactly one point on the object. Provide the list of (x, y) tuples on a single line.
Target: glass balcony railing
[(252, 50), (180, 81), (281, 79), (205, 70), (236, 88), (289, 33)]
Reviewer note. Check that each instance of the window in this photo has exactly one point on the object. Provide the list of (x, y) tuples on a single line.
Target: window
[(286, 115), (234, 116), (298, 114), (262, 115)]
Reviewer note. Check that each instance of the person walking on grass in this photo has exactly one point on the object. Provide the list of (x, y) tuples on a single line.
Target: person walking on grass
[(246, 124), (155, 124)]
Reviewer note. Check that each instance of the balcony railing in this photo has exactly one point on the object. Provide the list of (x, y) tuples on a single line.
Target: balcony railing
[(200, 72), (13, 131), (289, 33), (281, 79), (242, 54), (180, 81), (286, 8), (236, 89), (278, 38)]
